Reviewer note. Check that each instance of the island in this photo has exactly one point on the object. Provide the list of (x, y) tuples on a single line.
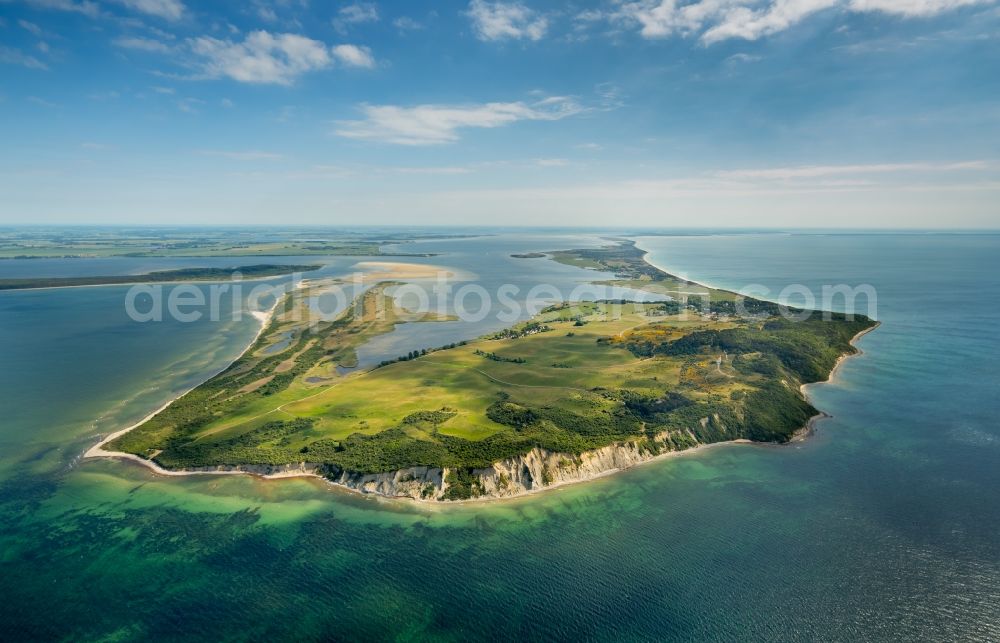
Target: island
[(529, 255), (580, 390), (260, 271)]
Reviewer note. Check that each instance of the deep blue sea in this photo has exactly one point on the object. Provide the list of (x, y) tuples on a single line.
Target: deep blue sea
[(882, 526)]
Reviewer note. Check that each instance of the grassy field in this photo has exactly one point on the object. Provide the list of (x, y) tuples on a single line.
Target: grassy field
[(556, 365), (293, 358)]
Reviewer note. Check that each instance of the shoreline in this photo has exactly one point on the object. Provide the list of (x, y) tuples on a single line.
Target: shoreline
[(303, 470), (97, 451), (569, 483), (668, 271), (810, 426)]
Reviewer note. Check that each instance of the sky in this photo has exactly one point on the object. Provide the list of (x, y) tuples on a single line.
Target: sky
[(700, 113)]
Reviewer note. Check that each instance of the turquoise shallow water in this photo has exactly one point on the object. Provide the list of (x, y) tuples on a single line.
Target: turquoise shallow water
[(882, 526)]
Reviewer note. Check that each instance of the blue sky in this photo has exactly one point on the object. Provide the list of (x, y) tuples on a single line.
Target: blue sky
[(880, 113)]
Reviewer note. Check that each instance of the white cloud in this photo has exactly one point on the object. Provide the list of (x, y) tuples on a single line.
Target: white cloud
[(262, 57), (189, 105), (41, 101), (353, 14), (30, 27), (590, 15), (266, 13), (141, 44), (405, 23), (10, 56), (819, 171), (716, 20), (441, 170), (85, 7), (913, 7), (654, 194), (354, 56), (609, 96), (249, 155), (359, 12), (741, 22), (506, 20), (438, 124), (324, 172), (166, 9), (662, 18)]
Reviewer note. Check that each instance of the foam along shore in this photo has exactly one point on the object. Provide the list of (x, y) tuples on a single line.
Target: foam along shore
[(810, 427), (840, 360), (264, 317)]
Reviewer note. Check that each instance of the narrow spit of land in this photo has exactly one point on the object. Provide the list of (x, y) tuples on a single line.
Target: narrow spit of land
[(259, 271)]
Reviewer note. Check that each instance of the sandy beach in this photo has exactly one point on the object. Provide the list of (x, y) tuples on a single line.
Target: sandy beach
[(390, 270)]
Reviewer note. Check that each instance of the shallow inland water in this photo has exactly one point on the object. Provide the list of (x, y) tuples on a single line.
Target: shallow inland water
[(882, 526)]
